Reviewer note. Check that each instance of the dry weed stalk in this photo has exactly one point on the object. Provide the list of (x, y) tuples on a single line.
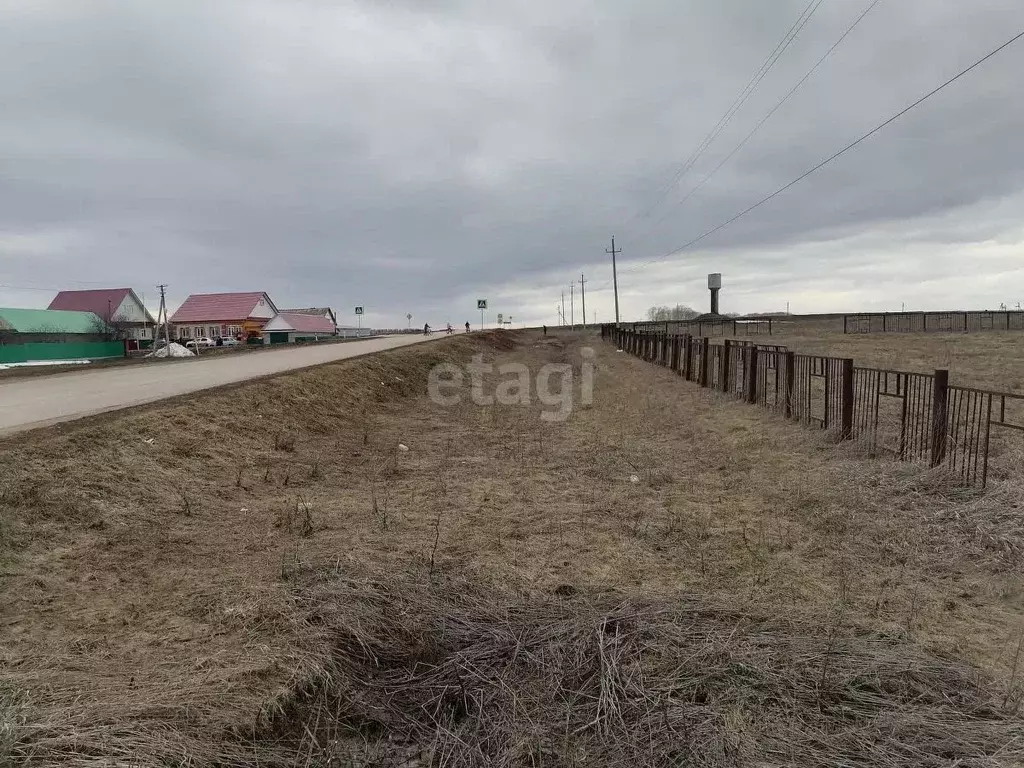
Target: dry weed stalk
[(466, 677)]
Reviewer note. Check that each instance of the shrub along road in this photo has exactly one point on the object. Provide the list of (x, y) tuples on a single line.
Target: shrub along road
[(42, 401)]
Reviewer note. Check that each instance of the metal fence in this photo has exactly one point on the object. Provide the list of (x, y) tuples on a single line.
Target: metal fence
[(906, 416), (933, 322), (720, 326)]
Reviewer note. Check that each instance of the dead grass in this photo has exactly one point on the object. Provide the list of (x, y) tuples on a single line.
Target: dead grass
[(989, 359), (142, 627)]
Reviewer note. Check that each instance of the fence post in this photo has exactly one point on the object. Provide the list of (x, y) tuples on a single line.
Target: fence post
[(940, 405), (725, 365), (704, 361), (790, 374), (751, 374), (688, 357), (845, 318), (846, 431)]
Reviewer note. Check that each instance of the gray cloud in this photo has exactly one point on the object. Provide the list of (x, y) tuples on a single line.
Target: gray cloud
[(411, 156)]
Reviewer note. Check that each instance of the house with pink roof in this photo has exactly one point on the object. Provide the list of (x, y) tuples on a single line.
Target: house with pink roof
[(289, 327), (223, 314), (120, 309)]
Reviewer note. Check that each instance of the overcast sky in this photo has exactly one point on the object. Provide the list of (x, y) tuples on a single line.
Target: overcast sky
[(413, 155)]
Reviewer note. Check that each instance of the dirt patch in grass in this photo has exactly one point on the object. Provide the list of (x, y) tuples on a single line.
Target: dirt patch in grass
[(191, 581)]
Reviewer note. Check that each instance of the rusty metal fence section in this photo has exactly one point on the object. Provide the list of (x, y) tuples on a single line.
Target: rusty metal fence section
[(934, 322), (975, 434)]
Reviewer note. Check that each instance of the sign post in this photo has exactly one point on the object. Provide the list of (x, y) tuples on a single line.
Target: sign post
[(481, 304), (359, 318), (409, 318)]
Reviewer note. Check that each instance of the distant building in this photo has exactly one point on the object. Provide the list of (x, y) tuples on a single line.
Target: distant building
[(123, 314), (325, 312), (289, 327), (30, 326), (354, 332), (222, 314)]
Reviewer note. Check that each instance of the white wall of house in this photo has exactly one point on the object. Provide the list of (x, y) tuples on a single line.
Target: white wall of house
[(131, 311), (277, 324), (264, 309)]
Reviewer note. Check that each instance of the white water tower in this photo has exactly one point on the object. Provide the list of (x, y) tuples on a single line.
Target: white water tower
[(714, 285)]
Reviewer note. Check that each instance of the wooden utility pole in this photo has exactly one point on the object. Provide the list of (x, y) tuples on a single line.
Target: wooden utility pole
[(615, 278), (167, 325), (583, 298), (563, 307), (572, 310)]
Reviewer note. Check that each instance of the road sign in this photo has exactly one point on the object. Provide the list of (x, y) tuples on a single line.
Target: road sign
[(481, 303), (409, 316), (499, 318), (359, 310)]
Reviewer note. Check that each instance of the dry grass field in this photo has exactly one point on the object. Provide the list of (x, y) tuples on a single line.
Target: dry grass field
[(989, 359), (263, 576)]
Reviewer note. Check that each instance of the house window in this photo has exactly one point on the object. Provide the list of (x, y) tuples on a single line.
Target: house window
[(214, 331), (185, 332), (234, 330)]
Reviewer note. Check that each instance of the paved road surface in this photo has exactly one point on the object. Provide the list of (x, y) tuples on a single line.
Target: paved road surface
[(37, 401)]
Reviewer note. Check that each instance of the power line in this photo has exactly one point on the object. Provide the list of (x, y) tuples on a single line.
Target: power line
[(745, 94), (835, 156), (774, 109)]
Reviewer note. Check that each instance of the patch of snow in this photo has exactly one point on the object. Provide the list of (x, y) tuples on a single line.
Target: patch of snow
[(41, 363), (174, 350)]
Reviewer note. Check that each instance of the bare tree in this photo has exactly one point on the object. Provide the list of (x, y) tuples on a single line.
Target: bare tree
[(678, 312), (114, 329)]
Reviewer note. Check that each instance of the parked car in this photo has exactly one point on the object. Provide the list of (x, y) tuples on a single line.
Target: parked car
[(204, 342), (227, 341)]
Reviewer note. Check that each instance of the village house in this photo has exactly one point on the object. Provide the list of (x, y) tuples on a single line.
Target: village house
[(228, 315), (289, 327), (120, 311), (324, 312)]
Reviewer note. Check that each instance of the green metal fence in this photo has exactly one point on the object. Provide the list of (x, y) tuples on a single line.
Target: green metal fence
[(83, 350)]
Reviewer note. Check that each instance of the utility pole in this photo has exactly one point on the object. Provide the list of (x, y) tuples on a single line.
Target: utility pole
[(615, 278), (167, 325), (572, 310), (563, 307), (583, 298)]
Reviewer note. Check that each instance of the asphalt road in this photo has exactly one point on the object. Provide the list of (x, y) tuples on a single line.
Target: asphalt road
[(39, 401)]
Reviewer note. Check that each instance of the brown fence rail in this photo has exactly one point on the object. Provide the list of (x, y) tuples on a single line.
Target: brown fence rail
[(722, 326), (906, 416), (933, 322)]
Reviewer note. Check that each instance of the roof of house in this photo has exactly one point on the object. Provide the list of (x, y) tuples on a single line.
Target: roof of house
[(208, 307), (322, 311), (300, 323), (49, 321), (100, 302)]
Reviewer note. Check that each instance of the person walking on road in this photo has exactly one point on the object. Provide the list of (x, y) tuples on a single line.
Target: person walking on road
[(467, 327), (545, 330), (426, 329)]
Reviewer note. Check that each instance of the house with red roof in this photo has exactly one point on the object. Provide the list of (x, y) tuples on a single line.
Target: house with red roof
[(222, 314), (289, 327), (120, 310)]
